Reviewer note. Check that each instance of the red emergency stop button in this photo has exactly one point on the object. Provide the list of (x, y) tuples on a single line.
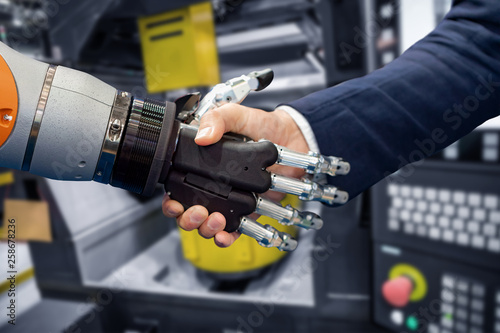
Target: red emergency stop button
[(397, 291)]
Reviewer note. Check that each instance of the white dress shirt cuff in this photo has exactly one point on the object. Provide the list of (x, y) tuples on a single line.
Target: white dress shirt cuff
[(303, 125)]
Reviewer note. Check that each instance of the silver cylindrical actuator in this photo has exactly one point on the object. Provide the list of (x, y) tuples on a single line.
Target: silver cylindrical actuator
[(72, 126)]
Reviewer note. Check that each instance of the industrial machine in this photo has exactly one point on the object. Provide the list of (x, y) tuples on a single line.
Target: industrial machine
[(153, 269), (417, 253), (437, 241)]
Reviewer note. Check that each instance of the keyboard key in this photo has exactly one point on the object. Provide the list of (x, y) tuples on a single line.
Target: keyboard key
[(394, 225), (478, 242), (448, 281), (418, 217), (490, 139), (449, 236), (463, 239), (422, 206), (461, 327), (405, 191), (476, 319), (490, 154), (418, 193), (447, 296), (444, 196), (404, 215), (495, 217), (498, 298), (433, 328), (491, 201), (444, 222), (497, 327), (435, 208), (473, 227), (447, 308), (462, 300), (489, 230), (494, 245), (478, 290), (430, 219), (410, 204), (434, 233), (498, 313), (446, 322), (476, 330), (463, 286), (479, 215), (459, 197), (463, 212), (431, 194), (409, 228), (397, 202), (462, 313), (475, 199), (393, 190), (422, 230), (477, 305), (449, 210), (458, 224)]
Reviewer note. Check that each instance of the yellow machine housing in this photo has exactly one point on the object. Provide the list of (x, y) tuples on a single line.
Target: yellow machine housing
[(179, 49), (243, 256)]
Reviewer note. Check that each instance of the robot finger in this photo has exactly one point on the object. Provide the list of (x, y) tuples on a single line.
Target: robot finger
[(267, 236), (308, 190), (313, 163), (288, 215)]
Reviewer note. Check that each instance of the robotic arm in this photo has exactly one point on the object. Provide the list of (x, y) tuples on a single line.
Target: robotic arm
[(63, 124)]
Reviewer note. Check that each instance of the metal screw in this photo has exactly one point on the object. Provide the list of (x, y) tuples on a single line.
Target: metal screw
[(116, 126), (7, 117), (99, 173)]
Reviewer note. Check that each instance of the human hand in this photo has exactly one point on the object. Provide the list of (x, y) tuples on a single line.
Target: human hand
[(277, 126)]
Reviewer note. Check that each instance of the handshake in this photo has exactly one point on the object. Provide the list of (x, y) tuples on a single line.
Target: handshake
[(225, 172)]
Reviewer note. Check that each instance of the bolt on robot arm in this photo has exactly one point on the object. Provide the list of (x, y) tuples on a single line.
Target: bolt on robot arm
[(63, 124)]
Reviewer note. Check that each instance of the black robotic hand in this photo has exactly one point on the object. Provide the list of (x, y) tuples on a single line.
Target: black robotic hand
[(228, 176)]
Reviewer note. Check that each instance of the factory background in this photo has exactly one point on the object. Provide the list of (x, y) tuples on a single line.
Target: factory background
[(100, 259)]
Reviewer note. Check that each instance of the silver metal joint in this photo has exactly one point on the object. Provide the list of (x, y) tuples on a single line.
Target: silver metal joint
[(308, 190), (288, 215), (114, 134), (37, 121), (313, 163), (267, 236)]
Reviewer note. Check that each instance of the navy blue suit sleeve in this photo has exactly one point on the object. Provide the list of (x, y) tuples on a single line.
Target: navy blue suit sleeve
[(435, 93)]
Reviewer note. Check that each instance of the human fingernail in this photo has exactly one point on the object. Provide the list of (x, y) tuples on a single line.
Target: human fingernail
[(218, 242), (172, 211), (213, 224), (204, 133), (196, 216)]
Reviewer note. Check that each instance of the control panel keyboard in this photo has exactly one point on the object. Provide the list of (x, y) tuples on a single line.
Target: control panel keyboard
[(450, 211), (468, 219), (442, 220)]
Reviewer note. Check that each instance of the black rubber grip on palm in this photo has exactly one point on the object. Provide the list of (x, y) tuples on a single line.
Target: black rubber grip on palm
[(236, 163), (191, 189)]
